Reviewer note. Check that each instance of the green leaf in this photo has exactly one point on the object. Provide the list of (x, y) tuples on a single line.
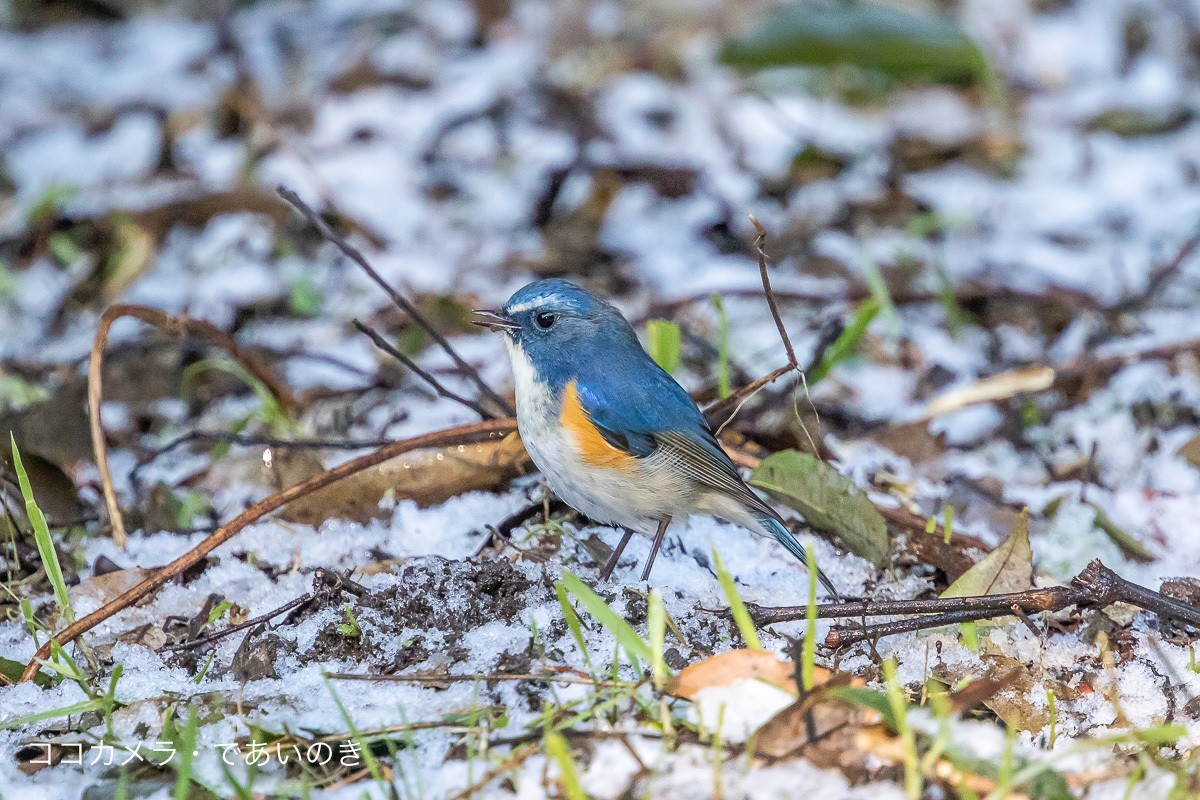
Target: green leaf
[(828, 500), (13, 669), (95, 704), (664, 339), (846, 345), (740, 615), (41, 535), (905, 47), (635, 646)]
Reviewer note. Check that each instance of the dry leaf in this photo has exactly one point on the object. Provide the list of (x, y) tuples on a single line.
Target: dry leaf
[(1190, 452), (1008, 568), (996, 387), (825, 731), (726, 669), (102, 588), (1011, 690), (427, 476)]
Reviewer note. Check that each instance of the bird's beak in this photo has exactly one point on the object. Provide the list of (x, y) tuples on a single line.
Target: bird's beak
[(494, 320)]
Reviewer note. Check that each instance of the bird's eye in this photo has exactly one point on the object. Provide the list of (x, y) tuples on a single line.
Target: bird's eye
[(545, 319)]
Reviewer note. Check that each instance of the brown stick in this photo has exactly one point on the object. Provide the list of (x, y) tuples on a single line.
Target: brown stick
[(181, 326), (759, 241), (400, 300), (464, 434), (715, 410), (1096, 586)]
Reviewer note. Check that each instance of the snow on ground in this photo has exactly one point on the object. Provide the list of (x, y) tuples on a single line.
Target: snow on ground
[(446, 163)]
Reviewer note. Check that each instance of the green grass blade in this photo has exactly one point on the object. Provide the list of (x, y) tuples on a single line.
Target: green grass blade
[(724, 382), (186, 746), (664, 340), (573, 624), (740, 615), (41, 535), (809, 659), (657, 631), (557, 749), (846, 344), (95, 704), (635, 646)]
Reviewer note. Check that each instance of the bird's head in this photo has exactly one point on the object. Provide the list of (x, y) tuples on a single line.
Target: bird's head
[(556, 323)]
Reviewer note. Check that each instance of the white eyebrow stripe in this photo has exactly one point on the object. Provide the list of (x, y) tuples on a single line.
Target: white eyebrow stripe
[(537, 302)]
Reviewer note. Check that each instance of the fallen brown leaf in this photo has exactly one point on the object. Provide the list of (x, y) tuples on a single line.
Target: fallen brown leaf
[(427, 476), (726, 669)]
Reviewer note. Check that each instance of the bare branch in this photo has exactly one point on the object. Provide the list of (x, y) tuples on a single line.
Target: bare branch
[(400, 300), (442, 391), (766, 282)]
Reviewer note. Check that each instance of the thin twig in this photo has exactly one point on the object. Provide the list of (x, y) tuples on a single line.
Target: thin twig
[(515, 759), (168, 323), (715, 410), (253, 441), (221, 634), (841, 637), (1054, 598), (400, 300), (1160, 277), (759, 241), (386, 347), (463, 434)]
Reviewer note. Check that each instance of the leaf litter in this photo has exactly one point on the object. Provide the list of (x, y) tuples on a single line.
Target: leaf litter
[(1053, 218)]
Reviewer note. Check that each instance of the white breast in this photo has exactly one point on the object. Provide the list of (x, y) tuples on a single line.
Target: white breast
[(635, 500)]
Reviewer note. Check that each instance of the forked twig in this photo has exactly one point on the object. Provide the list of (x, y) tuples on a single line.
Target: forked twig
[(464, 434), (400, 300), (169, 323)]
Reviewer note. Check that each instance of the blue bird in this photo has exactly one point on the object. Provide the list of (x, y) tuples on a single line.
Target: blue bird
[(614, 435)]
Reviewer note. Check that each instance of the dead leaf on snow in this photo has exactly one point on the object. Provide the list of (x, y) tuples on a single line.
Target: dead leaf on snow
[(427, 476), (1008, 568), (1190, 452), (726, 669), (987, 390), (1010, 689), (102, 588)]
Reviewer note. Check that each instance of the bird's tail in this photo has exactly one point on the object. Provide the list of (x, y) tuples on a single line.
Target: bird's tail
[(774, 526)]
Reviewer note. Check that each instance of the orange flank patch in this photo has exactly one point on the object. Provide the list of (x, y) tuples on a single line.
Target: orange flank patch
[(588, 443)]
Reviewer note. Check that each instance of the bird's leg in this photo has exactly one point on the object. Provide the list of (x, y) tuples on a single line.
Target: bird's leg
[(658, 540), (611, 564)]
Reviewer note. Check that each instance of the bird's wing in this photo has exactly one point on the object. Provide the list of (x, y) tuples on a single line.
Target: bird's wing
[(664, 421)]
